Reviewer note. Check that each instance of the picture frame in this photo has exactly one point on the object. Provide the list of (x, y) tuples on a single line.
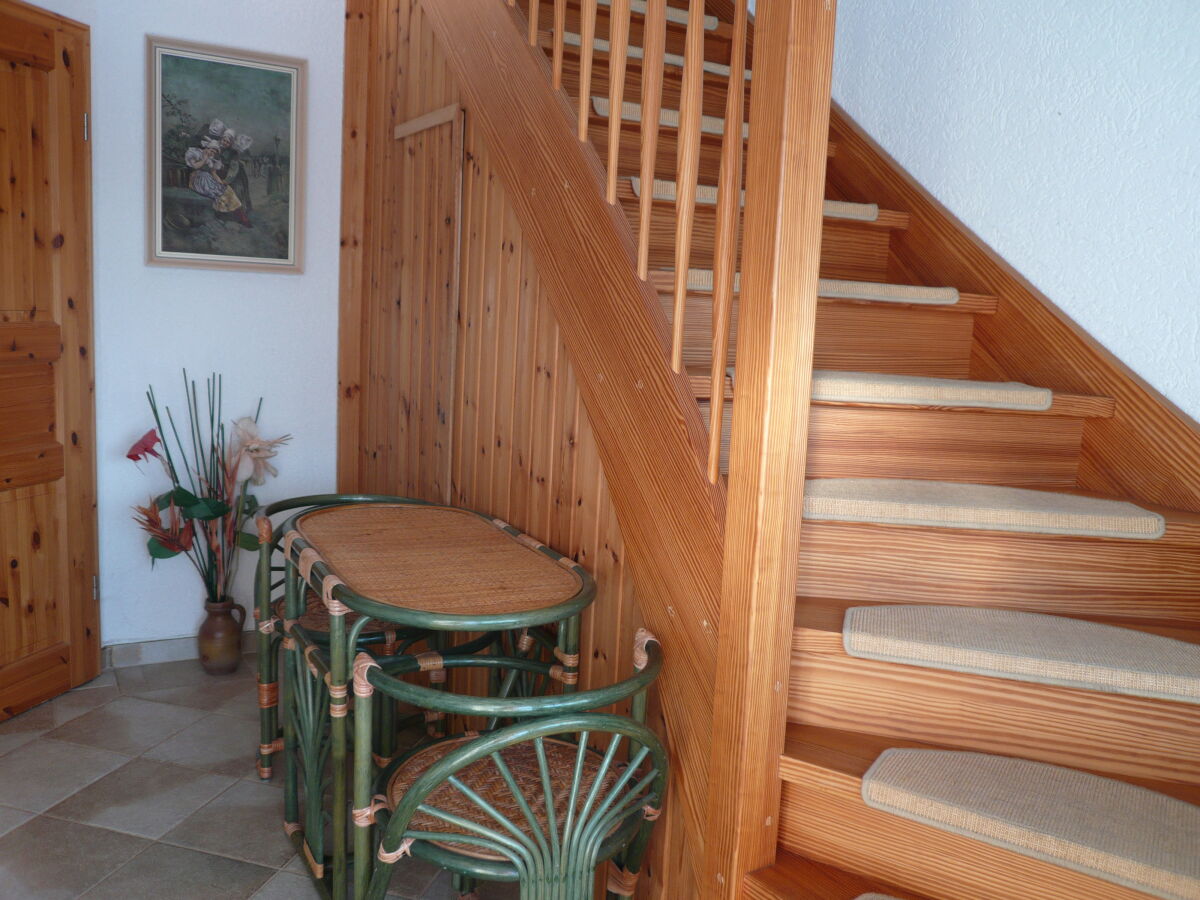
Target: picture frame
[(226, 154)]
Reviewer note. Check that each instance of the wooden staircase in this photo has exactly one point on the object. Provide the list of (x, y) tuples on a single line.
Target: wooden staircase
[(843, 711)]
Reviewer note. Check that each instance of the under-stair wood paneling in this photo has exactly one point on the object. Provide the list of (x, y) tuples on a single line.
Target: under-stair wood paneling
[(1148, 450), (517, 439), (400, 198)]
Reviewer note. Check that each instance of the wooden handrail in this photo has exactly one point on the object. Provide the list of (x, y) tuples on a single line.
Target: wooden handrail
[(647, 426), (785, 180)]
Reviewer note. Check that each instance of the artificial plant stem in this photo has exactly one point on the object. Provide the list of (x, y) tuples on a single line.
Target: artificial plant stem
[(158, 425), (182, 453)]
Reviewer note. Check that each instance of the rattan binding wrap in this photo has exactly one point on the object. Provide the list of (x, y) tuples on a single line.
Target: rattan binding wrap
[(435, 559), (485, 779)]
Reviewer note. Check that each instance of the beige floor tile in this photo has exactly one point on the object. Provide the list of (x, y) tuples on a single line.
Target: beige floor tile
[(10, 818), (244, 822), (107, 678), (143, 797), (44, 772), (163, 871), (216, 743), (50, 859), (287, 886), (206, 695), (136, 680), (127, 725), (33, 723)]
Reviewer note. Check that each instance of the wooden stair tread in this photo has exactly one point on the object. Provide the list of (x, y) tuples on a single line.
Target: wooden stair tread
[(1075, 405), (1024, 646), (825, 615), (812, 750), (886, 219), (793, 877), (1113, 733), (663, 281), (981, 507)]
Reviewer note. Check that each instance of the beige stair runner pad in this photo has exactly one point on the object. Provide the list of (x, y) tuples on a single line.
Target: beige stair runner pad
[(917, 390), (945, 504), (707, 194), (632, 112), (701, 281), (600, 45), (1099, 826), (678, 16), (876, 897), (1025, 646)]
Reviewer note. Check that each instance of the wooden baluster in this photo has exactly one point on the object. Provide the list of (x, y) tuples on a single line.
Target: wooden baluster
[(618, 41), (560, 25), (587, 29), (687, 169), (535, 7), (729, 214), (654, 39)]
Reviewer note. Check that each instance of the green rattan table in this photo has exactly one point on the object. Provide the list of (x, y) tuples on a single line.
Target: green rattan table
[(380, 574)]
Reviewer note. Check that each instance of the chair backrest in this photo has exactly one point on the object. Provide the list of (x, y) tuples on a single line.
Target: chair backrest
[(549, 796)]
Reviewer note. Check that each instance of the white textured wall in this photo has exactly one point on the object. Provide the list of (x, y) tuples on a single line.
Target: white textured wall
[(1065, 134), (273, 334)]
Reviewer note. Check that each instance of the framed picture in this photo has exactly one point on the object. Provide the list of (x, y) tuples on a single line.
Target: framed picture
[(226, 157)]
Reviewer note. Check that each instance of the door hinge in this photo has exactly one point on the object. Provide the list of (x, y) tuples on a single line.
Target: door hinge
[(85, 126), (96, 588)]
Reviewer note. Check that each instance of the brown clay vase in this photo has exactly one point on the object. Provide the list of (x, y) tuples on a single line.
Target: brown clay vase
[(220, 637)]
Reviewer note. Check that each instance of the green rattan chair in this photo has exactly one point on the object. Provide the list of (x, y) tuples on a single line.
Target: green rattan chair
[(542, 801)]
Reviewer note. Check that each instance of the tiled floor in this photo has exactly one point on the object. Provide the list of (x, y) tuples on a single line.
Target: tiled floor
[(141, 784)]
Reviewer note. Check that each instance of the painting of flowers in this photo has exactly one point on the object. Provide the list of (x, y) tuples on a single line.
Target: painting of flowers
[(225, 136)]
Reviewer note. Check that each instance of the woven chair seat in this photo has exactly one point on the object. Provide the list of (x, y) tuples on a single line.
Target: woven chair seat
[(435, 559), (485, 779), (316, 617)]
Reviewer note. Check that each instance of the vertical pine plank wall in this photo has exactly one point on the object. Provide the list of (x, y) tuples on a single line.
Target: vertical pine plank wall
[(454, 383)]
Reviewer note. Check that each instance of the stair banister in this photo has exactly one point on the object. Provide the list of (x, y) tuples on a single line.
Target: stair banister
[(647, 425), (785, 178)]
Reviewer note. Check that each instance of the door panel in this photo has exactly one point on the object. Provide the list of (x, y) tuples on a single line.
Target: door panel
[(49, 634)]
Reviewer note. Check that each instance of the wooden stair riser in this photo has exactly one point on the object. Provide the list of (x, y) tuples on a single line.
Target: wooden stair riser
[(795, 878), (713, 91), (973, 447), (856, 337), (1120, 579), (852, 251), (1108, 733), (716, 42), (629, 162), (822, 816)]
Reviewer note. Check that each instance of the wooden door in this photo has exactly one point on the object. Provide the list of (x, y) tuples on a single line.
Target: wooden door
[(49, 622)]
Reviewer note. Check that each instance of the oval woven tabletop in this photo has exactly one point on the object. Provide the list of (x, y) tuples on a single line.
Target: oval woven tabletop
[(435, 559)]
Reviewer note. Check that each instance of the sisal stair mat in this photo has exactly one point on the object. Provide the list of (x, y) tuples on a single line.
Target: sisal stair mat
[(916, 390), (674, 60), (701, 281), (1109, 829), (945, 504), (664, 191), (1025, 646)]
